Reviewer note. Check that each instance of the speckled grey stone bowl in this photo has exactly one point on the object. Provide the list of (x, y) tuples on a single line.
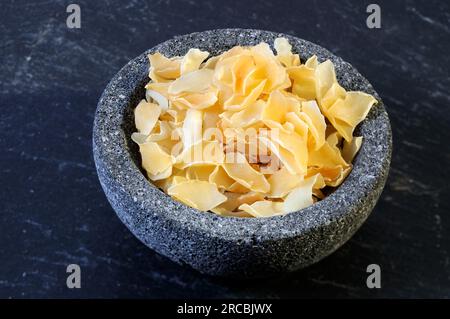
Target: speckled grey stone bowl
[(231, 246)]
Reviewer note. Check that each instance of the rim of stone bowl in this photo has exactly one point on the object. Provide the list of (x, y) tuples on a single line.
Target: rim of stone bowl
[(115, 154)]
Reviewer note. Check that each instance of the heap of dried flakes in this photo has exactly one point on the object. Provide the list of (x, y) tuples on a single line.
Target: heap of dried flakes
[(248, 133)]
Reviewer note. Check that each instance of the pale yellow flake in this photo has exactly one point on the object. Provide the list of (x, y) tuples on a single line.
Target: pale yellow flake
[(349, 150), (192, 60), (193, 82), (205, 197), (241, 171), (263, 208), (146, 115), (300, 197), (154, 159), (282, 182)]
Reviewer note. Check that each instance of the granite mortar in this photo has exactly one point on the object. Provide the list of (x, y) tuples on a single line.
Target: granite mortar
[(231, 246)]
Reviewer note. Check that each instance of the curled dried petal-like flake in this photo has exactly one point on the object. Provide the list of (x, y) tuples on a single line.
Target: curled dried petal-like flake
[(205, 197), (192, 60), (193, 82), (146, 116)]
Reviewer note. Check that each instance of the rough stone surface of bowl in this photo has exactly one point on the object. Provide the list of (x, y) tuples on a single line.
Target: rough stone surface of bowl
[(230, 246)]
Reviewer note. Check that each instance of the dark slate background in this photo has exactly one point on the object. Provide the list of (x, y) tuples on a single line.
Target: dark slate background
[(53, 211)]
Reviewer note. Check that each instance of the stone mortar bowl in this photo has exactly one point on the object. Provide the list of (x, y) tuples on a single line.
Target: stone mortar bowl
[(232, 246)]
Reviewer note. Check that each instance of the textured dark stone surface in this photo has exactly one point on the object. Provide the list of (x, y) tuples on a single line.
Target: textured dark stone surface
[(53, 211), (216, 245)]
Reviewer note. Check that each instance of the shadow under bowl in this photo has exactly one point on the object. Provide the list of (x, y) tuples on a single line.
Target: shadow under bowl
[(231, 246)]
